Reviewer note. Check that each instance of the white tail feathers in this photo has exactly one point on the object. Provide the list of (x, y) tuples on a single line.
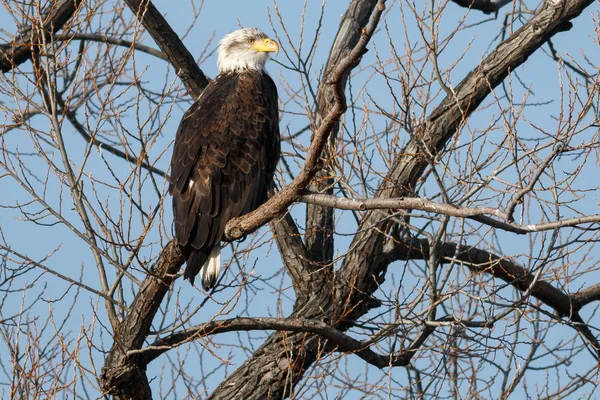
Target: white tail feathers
[(210, 270)]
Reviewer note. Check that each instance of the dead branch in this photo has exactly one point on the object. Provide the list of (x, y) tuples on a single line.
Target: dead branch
[(479, 214), (404, 203)]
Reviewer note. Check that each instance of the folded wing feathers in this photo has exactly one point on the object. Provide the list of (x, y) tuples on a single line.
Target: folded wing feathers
[(231, 166)]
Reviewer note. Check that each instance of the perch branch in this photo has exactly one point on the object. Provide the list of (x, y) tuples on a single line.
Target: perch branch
[(239, 227)]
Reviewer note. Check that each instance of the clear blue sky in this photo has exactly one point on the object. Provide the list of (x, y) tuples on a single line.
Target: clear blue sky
[(73, 258)]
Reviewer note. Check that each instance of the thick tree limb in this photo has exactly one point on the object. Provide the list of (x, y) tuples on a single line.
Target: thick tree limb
[(123, 376), (54, 17), (294, 254), (356, 276), (339, 340), (336, 338), (585, 296), (165, 37), (320, 220)]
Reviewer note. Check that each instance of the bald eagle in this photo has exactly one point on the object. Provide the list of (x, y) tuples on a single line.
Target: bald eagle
[(226, 150)]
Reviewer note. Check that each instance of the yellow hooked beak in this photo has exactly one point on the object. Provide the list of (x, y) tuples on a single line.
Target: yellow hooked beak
[(266, 45)]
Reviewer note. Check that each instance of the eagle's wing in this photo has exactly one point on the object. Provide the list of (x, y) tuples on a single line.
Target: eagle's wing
[(225, 154)]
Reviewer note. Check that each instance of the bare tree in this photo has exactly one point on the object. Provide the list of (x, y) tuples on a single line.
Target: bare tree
[(436, 217)]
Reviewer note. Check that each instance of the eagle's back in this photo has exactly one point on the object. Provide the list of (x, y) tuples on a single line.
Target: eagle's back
[(225, 154)]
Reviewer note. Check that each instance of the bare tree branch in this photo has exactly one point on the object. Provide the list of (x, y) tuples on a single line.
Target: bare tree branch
[(239, 227), (61, 276), (138, 161), (405, 203), (337, 339), (190, 73), (415, 203), (54, 17), (123, 376), (508, 271), (113, 40)]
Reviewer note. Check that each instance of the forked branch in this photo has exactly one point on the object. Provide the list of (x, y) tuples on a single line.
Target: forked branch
[(54, 18), (481, 261), (248, 223), (337, 340)]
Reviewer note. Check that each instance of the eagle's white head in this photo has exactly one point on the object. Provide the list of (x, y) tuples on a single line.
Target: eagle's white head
[(245, 49)]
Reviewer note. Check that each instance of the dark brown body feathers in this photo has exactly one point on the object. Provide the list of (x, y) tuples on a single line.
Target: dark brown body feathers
[(225, 154)]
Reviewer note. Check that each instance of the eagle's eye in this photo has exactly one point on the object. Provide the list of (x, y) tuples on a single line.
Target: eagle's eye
[(249, 41)]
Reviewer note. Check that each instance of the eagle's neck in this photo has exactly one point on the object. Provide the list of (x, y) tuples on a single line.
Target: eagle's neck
[(254, 62)]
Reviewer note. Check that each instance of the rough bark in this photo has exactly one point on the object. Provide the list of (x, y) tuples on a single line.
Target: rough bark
[(165, 37), (275, 367), (124, 375), (338, 300), (359, 273), (319, 219)]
